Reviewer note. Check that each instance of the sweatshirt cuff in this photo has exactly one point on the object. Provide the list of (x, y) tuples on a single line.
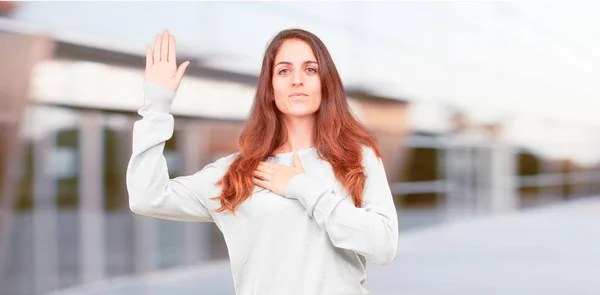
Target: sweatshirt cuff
[(314, 195), (158, 98)]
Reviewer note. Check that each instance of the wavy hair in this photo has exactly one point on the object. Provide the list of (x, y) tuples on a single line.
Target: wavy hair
[(338, 134)]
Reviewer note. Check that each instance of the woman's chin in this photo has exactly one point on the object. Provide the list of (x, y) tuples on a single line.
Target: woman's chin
[(299, 112)]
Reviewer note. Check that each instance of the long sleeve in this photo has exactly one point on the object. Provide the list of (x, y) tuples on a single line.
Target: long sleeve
[(371, 230), (151, 192)]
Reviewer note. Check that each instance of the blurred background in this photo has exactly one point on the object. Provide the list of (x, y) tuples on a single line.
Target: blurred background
[(486, 112)]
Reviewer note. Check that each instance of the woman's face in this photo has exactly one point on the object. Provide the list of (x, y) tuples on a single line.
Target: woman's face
[(296, 81)]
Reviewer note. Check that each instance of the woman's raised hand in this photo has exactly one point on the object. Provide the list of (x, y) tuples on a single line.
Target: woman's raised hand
[(161, 64)]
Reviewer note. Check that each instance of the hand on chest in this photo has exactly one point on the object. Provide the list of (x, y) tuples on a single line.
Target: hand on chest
[(266, 206)]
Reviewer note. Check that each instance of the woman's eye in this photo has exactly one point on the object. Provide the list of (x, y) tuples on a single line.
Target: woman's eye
[(283, 71), (312, 70)]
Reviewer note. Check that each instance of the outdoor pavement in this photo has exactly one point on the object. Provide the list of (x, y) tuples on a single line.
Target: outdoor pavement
[(546, 250)]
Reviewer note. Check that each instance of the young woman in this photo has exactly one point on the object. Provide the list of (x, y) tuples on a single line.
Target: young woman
[(304, 203)]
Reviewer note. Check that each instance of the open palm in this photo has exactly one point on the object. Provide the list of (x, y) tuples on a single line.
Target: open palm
[(161, 64)]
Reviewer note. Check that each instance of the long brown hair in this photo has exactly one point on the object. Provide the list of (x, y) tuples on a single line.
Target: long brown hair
[(338, 134)]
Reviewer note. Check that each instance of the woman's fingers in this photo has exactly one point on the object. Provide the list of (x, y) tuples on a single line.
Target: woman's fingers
[(172, 53), (262, 183), (181, 70), (156, 55), (161, 62), (263, 167), (148, 56), (164, 46), (260, 175)]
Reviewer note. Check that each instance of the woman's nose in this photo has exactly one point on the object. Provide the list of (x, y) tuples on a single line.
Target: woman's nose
[(297, 79)]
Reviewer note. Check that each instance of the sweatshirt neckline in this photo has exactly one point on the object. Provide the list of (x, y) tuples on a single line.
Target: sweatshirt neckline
[(300, 152)]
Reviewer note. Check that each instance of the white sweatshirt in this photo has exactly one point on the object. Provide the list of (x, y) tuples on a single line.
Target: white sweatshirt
[(311, 240)]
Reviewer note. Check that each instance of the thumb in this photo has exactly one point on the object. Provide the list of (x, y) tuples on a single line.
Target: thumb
[(181, 70), (297, 162)]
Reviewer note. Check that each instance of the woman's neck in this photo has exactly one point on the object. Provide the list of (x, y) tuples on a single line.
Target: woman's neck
[(300, 134)]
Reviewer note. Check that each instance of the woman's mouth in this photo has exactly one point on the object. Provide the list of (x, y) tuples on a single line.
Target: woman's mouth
[(298, 95)]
